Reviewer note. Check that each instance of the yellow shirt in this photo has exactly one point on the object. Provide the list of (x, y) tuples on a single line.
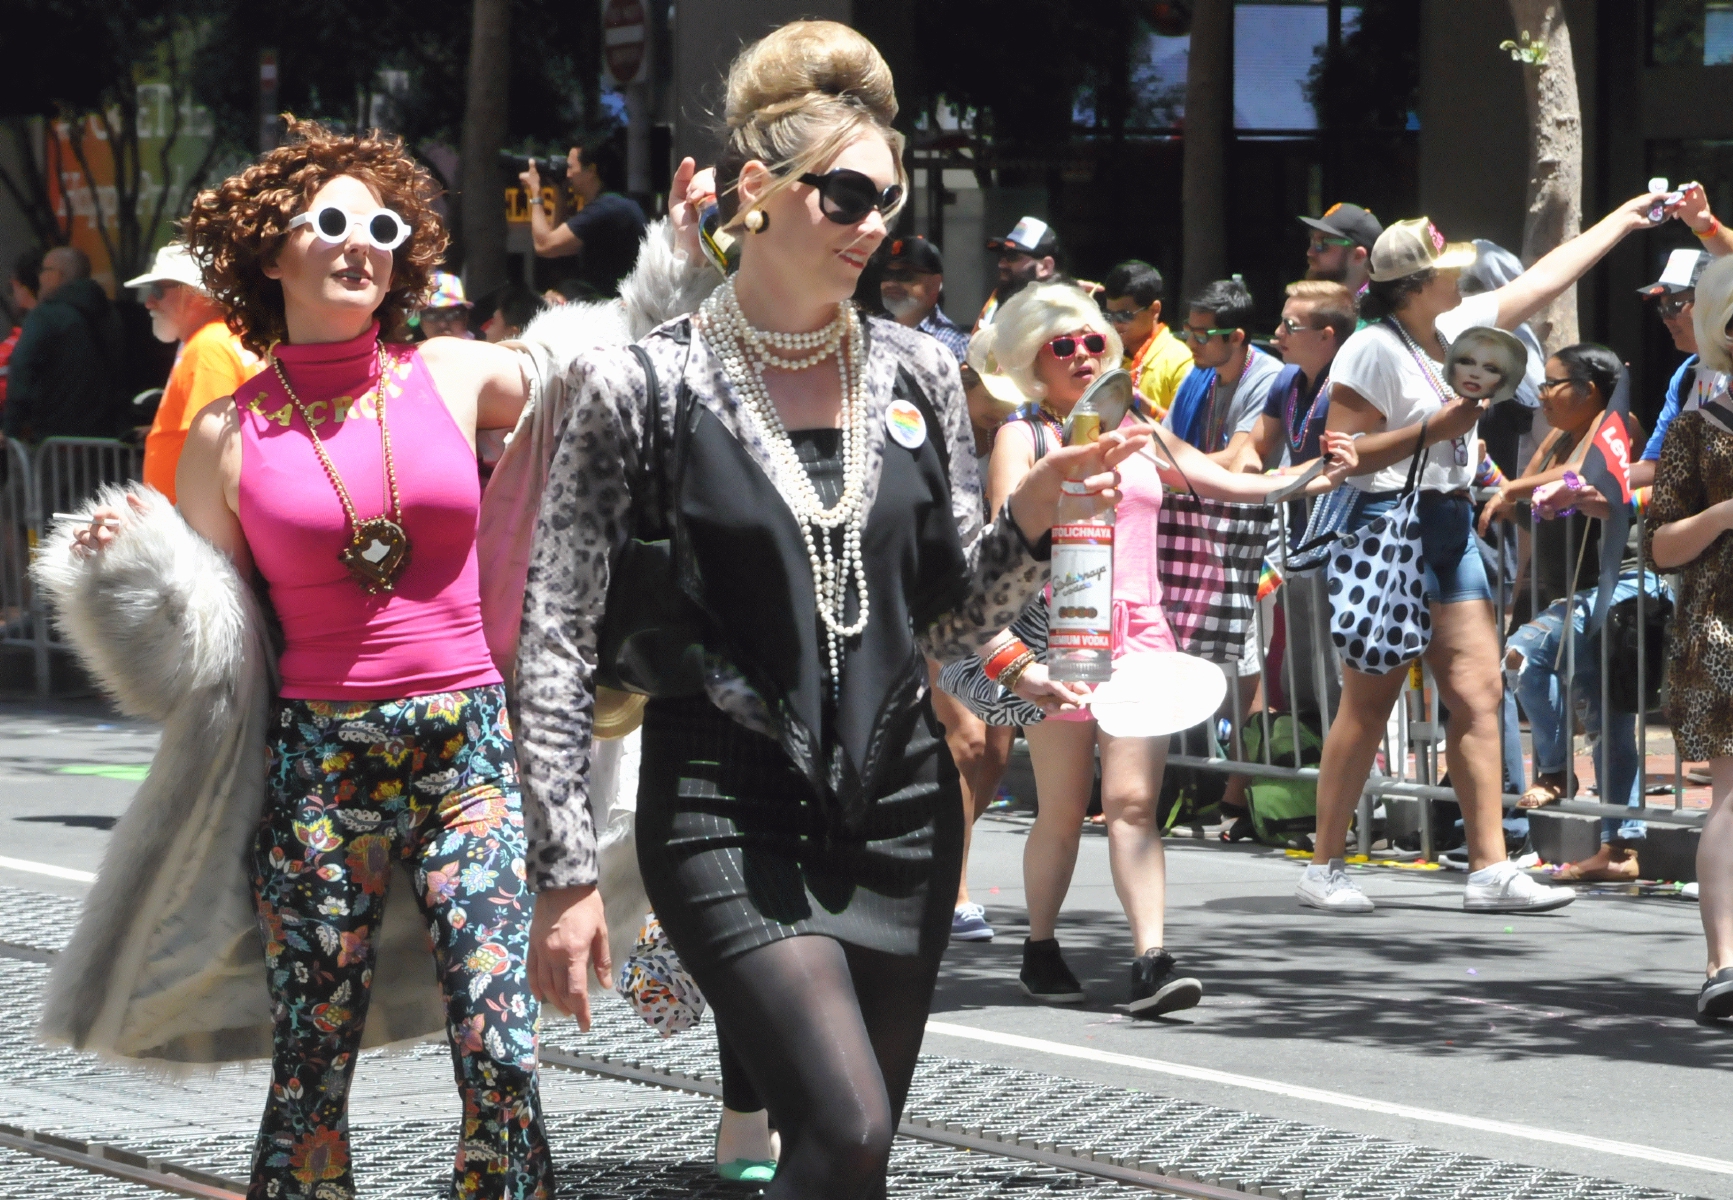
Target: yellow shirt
[(212, 364), (1159, 368)]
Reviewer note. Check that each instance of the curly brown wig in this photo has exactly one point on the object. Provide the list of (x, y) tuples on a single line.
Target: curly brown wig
[(238, 226)]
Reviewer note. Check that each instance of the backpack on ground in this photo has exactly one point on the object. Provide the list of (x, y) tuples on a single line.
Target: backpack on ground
[(1283, 809)]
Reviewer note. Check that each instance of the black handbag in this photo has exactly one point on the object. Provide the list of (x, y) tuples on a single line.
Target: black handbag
[(651, 637), (1625, 634)]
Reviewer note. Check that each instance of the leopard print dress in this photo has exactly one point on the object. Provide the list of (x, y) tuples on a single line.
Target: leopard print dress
[(1696, 471)]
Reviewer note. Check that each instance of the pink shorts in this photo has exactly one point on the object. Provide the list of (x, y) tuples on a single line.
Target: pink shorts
[(1137, 628)]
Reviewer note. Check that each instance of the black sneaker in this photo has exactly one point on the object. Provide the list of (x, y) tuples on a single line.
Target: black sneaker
[(1157, 987), (1045, 977), (1715, 1001)]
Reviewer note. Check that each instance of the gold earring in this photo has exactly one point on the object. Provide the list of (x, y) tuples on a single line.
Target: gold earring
[(757, 220)]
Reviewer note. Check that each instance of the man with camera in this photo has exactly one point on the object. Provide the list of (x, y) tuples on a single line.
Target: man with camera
[(607, 227)]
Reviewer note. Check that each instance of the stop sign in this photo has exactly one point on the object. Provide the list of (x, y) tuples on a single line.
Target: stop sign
[(623, 39)]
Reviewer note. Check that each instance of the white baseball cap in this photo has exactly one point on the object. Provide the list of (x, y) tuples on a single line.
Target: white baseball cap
[(174, 264)]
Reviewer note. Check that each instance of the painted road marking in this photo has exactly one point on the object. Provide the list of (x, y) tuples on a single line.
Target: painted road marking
[(36, 868), (1339, 1099), (133, 772)]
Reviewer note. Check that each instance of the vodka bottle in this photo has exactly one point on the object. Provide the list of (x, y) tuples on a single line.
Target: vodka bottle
[(1080, 611)]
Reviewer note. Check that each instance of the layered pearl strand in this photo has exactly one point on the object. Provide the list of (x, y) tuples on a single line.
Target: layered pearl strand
[(746, 353)]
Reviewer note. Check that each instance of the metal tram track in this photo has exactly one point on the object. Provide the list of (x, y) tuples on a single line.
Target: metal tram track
[(1143, 1173)]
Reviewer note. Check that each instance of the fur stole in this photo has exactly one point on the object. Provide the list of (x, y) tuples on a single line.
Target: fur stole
[(167, 963)]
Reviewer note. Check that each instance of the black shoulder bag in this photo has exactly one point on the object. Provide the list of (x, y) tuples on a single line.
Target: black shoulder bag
[(651, 637)]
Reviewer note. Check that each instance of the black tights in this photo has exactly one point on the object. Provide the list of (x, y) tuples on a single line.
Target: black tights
[(828, 1035)]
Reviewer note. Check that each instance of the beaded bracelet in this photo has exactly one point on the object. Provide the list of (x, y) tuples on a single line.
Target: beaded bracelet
[(1012, 675), (1003, 657)]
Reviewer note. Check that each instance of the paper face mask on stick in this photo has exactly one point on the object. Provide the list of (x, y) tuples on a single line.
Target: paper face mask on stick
[(1486, 364)]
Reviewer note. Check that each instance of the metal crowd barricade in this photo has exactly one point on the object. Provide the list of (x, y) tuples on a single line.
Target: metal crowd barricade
[(56, 476), (1415, 737)]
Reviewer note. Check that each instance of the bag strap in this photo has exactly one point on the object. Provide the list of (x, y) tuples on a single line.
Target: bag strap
[(650, 447), (908, 388), (1155, 431), (1421, 453)]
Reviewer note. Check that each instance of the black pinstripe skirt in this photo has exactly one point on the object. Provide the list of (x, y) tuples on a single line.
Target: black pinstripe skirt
[(737, 851)]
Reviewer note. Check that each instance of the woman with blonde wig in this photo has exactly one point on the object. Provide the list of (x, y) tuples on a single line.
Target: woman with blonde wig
[(1689, 519), (798, 820), (1053, 341)]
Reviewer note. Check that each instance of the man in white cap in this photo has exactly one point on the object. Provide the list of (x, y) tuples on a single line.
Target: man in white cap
[(1028, 254), (1674, 293), (210, 364)]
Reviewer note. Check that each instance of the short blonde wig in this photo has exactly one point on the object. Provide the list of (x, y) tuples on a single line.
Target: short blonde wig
[(1710, 313), (796, 98), (1035, 316)]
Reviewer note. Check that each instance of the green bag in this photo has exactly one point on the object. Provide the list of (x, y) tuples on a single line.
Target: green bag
[(1282, 808)]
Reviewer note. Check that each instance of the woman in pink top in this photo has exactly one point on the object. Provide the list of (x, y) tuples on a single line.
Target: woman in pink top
[(344, 476), (1053, 341)]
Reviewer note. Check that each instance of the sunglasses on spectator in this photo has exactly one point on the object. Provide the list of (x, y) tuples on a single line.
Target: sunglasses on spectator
[(161, 288), (1200, 336), (1065, 345), (384, 229), (846, 196), (1549, 384), (1319, 243), (1671, 306), (1123, 316), (1293, 326)]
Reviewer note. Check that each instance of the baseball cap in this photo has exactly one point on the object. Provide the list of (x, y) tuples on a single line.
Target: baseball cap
[(447, 292), (1349, 221), (1680, 274), (916, 254), (1031, 235), (1415, 245), (174, 263)]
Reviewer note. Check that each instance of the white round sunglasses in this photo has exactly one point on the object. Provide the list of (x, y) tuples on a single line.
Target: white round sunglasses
[(384, 229)]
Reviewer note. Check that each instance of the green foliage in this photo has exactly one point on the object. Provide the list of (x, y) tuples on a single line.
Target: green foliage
[(1533, 53)]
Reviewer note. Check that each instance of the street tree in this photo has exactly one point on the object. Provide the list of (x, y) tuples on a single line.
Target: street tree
[(1555, 151)]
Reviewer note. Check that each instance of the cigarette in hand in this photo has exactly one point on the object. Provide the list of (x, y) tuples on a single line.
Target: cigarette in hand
[(110, 522)]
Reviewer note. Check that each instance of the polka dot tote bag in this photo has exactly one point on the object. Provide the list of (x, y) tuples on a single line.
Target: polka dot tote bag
[(1378, 614)]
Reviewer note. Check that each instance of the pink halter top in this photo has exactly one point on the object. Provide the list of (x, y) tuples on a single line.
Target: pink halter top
[(343, 644)]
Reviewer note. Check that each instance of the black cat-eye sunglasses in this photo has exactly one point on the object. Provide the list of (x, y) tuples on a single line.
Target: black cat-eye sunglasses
[(848, 196)]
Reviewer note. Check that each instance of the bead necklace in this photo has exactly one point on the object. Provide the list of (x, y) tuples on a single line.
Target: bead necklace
[(1443, 390), (378, 548), (1297, 433), (746, 353)]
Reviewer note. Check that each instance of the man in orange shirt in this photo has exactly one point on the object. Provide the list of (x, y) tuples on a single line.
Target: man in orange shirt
[(211, 364)]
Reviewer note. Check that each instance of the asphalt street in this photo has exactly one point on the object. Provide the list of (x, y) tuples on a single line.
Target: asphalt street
[(1565, 1040)]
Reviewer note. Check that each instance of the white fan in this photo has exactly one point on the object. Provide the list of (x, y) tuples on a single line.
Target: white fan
[(1156, 693)]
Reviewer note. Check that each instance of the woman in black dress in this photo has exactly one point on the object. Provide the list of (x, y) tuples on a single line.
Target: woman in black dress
[(799, 821)]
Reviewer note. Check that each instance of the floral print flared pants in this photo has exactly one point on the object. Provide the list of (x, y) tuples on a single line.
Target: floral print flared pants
[(355, 786)]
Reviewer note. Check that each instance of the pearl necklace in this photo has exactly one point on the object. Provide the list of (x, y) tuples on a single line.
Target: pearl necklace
[(746, 353)]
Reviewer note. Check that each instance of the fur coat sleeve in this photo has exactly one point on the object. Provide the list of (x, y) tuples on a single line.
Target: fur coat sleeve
[(167, 963)]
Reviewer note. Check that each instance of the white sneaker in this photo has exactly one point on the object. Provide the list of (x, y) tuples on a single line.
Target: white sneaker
[(1502, 887), (1331, 889)]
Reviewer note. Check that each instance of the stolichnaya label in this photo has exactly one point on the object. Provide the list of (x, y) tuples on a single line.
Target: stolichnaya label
[(1081, 611)]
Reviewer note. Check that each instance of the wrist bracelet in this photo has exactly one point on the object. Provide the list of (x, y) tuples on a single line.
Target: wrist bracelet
[(1002, 658), (1714, 228), (1013, 674)]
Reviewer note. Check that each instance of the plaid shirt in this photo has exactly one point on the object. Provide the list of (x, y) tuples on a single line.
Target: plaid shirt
[(951, 335)]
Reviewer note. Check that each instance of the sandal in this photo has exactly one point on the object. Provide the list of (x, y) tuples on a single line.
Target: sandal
[(1543, 793), (1619, 870)]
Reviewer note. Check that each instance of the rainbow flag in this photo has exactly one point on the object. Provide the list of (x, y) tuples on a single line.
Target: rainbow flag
[(1269, 579)]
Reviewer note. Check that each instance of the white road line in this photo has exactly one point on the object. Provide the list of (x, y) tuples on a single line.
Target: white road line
[(1340, 1099), (36, 868)]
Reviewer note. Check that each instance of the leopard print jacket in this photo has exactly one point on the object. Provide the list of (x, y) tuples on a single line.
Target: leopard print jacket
[(587, 515)]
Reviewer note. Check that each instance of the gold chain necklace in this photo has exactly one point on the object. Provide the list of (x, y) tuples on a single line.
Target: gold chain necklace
[(378, 548)]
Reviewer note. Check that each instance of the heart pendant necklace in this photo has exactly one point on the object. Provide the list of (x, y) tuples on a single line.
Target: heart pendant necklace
[(378, 548)]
